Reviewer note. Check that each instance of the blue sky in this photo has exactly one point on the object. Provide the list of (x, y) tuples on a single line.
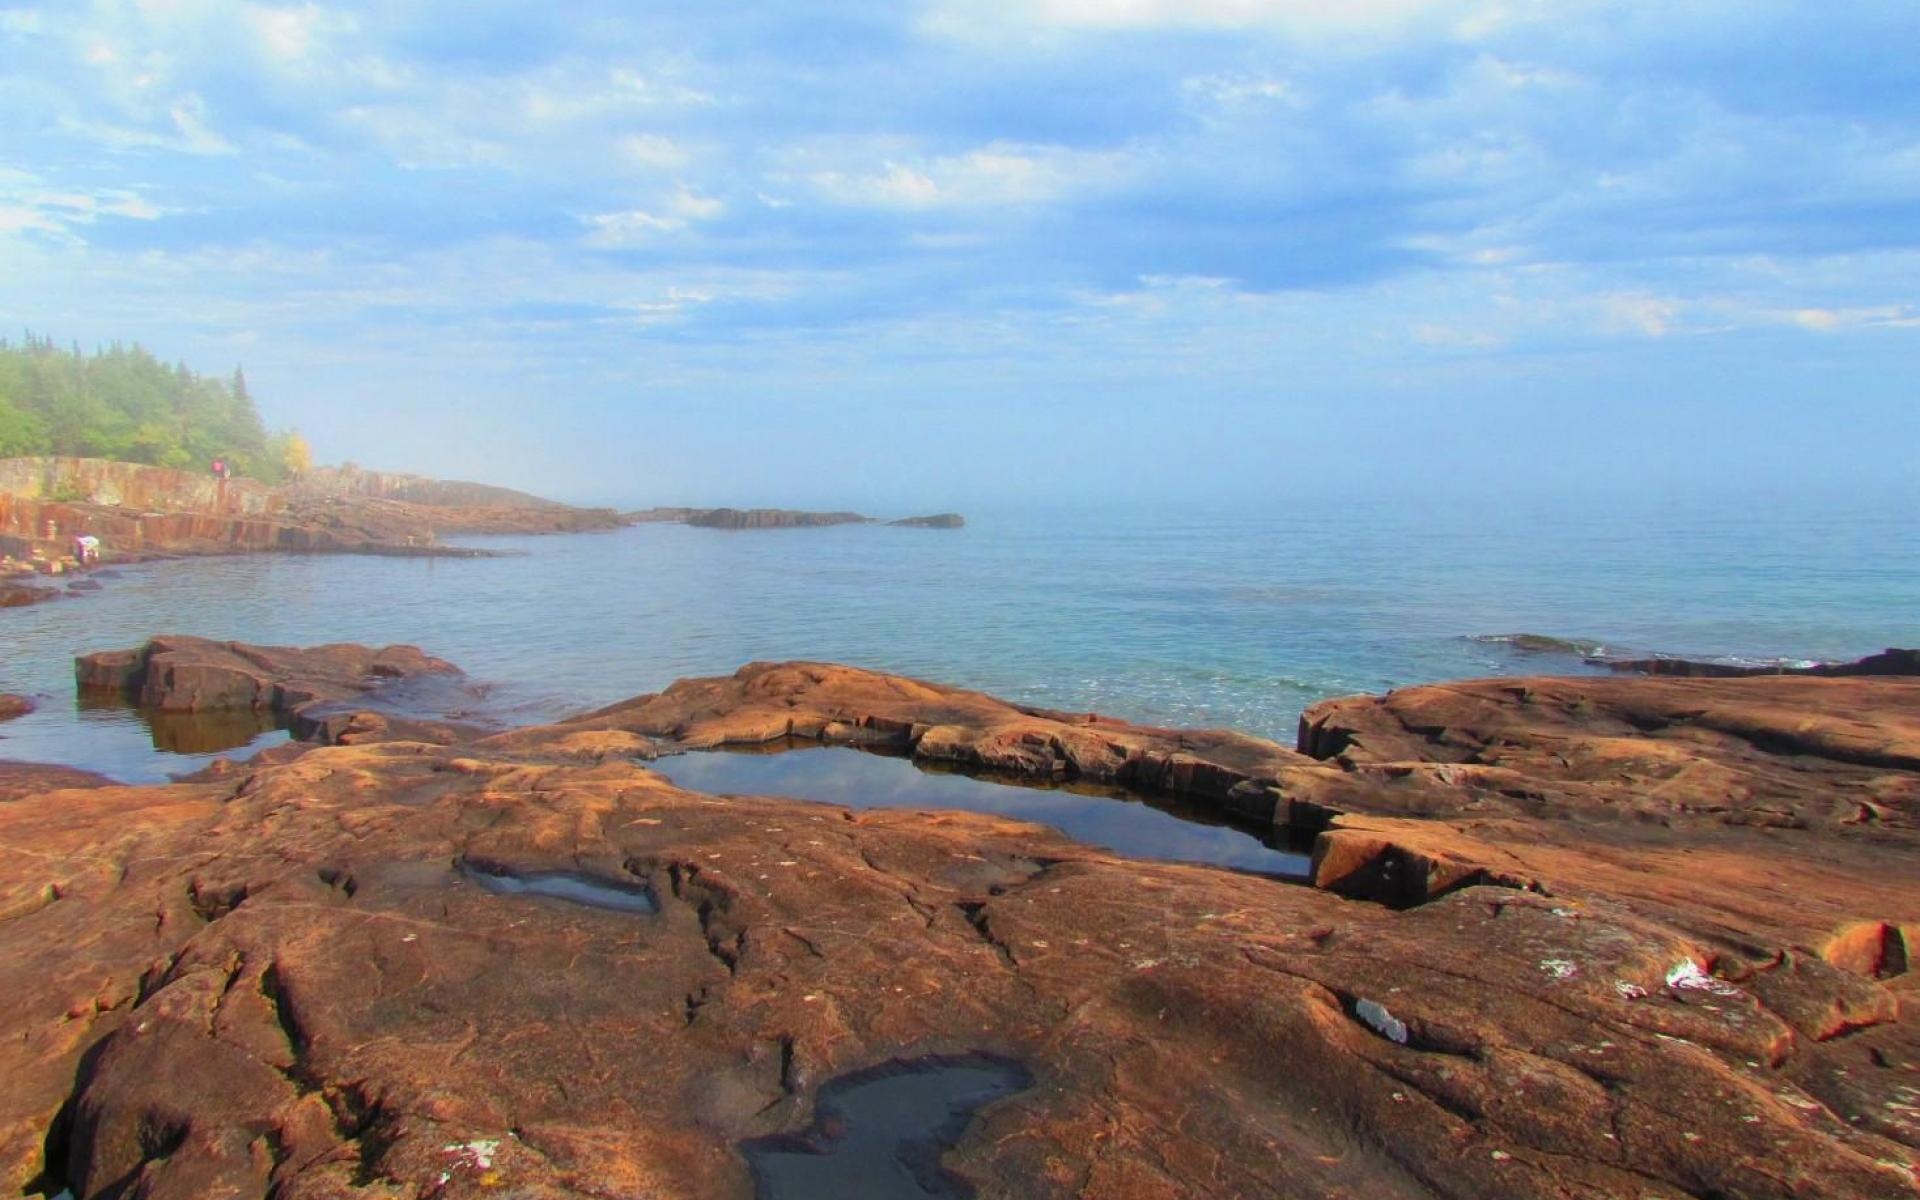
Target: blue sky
[(912, 256)]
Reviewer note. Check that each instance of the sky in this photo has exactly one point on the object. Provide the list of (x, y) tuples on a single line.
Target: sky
[(930, 254)]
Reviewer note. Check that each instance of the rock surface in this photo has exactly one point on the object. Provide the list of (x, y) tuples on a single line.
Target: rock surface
[(12, 706), (286, 979), (20, 779), (768, 702)]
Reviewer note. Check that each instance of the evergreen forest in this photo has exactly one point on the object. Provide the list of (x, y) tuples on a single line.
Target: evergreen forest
[(122, 403)]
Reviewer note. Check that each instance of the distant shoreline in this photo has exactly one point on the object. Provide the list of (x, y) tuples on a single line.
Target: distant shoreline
[(139, 512)]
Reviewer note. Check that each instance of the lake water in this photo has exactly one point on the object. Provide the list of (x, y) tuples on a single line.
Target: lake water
[(1225, 619)]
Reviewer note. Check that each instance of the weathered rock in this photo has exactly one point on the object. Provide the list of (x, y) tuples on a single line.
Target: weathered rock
[(22, 779), (301, 688), (765, 702), (288, 979), (12, 706)]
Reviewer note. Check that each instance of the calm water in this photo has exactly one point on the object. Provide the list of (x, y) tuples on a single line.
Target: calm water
[(879, 1135), (1229, 619), (1144, 827)]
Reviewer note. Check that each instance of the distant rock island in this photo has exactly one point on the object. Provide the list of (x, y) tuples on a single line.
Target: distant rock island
[(780, 518)]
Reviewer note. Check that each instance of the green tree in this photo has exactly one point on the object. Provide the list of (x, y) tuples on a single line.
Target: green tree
[(121, 402)]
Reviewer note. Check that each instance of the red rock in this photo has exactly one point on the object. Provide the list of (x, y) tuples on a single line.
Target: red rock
[(19, 779), (188, 674), (14, 706), (765, 702), (279, 982)]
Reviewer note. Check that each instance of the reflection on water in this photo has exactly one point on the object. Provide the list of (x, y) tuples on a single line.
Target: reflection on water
[(571, 886), (211, 732), (879, 1135), (1143, 827)]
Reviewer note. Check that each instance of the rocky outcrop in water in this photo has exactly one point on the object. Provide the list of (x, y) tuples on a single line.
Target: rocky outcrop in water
[(1887, 662), (16, 595), (296, 979), (12, 706), (294, 686), (779, 518)]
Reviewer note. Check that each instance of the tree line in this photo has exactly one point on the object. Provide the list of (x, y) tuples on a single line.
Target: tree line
[(121, 402)]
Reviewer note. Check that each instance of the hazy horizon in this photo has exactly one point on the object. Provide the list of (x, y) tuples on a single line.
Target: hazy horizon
[(948, 256)]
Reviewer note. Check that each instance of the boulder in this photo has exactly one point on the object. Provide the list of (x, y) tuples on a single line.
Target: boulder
[(295, 686)]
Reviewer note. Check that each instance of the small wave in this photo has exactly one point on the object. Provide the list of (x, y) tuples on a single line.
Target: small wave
[(1540, 643)]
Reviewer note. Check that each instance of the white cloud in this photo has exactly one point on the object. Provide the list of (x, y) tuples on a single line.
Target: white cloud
[(1450, 337), (25, 206), (653, 150), (630, 227), (186, 131), (1463, 19), (1830, 320), (294, 36), (21, 21), (997, 175), (1245, 91)]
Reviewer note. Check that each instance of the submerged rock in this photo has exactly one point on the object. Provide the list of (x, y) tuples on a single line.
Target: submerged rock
[(14, 595), (278, 981)]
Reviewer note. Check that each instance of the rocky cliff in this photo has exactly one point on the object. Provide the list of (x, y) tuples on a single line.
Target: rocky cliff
[(137, 509), (1599, 937)]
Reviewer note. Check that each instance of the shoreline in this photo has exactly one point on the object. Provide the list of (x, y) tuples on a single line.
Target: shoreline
[(139, 510), (1516, 884)]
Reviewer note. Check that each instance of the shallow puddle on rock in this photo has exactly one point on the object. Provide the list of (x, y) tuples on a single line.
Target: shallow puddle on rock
[(1142, 827), (570, 886), (880, 1134)]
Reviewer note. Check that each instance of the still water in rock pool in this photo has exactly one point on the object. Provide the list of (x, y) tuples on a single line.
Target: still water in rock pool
[(570, 886), (879, 1135), (1143, 827)]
